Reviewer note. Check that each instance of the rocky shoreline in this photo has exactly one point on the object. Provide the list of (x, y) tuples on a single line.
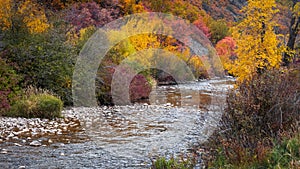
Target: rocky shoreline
[(39, 132)]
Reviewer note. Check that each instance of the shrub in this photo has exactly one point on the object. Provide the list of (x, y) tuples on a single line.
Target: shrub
[(218, 29), (37, 106), (258, 113), (163, 163), (9, 88)]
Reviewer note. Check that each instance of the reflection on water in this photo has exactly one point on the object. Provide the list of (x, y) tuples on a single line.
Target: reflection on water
[(195, 94), (179, 98)]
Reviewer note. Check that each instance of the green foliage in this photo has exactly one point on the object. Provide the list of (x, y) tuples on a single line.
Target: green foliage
[(37, 106), (45, 60), (218, 29), (163, 163)]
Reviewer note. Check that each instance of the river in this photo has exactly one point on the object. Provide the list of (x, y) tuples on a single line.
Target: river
[(170, 123)]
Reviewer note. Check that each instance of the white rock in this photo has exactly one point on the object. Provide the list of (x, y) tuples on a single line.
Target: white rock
[(10, 135), (17, 144), (188, 97), (3, 151), (35, 143), (168, 104), (15, 138)]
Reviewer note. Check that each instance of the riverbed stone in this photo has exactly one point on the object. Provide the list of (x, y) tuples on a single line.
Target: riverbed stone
[(35, 143)]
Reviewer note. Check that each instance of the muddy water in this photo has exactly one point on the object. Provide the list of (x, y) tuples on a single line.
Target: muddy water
[(174, 119)]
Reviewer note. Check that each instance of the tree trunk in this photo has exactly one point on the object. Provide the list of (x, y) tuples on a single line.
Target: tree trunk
[(293, 31)]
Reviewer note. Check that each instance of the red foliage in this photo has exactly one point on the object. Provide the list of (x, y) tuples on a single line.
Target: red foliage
[(82, 15), (202, 26), (139, 88), (226, 46)]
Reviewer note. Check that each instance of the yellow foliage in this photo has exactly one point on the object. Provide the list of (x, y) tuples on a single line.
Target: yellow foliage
[(33, 16), (5, 14), (197, 63), (144, 41), (85, 33), (72, 37), (144, 37), (257, 43), (296, 9), (131, 7)]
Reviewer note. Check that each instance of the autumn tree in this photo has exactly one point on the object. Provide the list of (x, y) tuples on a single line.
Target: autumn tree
[(33, 16), (19, 14), (257, 44), (131, 6), (5, 14), (83, 15)]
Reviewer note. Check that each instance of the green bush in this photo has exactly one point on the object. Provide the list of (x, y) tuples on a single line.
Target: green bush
[(163, 163), (218, 29), (37, 106)]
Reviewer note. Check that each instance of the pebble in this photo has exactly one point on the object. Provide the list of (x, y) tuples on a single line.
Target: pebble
[(10, 135), (3, 151), (17, 144), (35, 143), (21, 167), (188, 97)]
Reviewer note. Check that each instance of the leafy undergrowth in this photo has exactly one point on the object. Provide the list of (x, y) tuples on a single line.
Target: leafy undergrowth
[(163, 163), (283, 155)]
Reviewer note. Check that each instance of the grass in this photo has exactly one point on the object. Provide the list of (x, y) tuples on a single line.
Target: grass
[(283, 155), (37, 106), (163, 163)]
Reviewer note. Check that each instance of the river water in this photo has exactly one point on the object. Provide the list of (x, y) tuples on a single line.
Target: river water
[(170, 123)]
